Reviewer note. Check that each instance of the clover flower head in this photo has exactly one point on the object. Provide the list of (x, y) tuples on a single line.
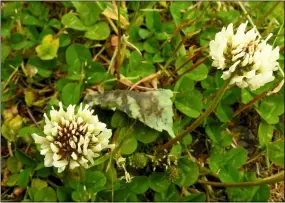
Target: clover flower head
[(73, 138), (251, 59)]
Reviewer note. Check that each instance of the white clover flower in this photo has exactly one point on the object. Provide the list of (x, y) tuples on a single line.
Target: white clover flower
[(252, 59), (72, 138)]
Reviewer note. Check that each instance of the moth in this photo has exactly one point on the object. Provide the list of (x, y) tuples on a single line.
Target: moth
[(153, 108)]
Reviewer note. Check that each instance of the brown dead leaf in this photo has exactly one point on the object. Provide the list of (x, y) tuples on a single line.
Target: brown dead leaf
[(113, 14)]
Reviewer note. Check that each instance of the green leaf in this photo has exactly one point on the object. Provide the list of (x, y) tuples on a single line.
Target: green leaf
[(64, 40), (145, 134), (153, 22), (125, 195), (18, 41), (101, 159), (158, 181), (151, 45), (181, 61), (171, 194), (44, 172), (54, 23), (137, 68), (219, 135), (265, 133), (71, 94), (12, 180), (189, 103), (14, 166), (46, 194), (80, 195), (245, 194), (29, 131), (96, 73), (129, 141), (95, 180), (271, 108), (199, 197), (219, 158), (27, 19), (176, 150), (36, 8), (229, 173), (95, 177), (38, 183), (99, 31), (119, 119), (63, 194), (231, 96), (208, 83), (5, 51), (228, 16), (10, 9), (139, 184), (246, 96), (188, 174), (262, 194), (144, 33), (25, 159), (199, 73), (77, 55), (47, 50), (275, 152), (188, 100), (224, 112), (24, 177), (157, 58), (89, 12), (176, 9), (72, 21), (42, 66), (236, 157)]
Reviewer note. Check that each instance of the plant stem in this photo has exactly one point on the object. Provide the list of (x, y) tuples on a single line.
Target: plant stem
[(118, 58), (52, 184), (10, 149), (191, 68), (256, 99), (201, 118), (269, 180)]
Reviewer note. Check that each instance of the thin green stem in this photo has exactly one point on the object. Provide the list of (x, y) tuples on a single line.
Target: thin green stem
[(269, 180), (118, 58), (52, 184), (10, 149), (200, 119)]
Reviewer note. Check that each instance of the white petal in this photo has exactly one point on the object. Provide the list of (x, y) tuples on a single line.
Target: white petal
[(97, 148), (48, 159), (72, 144), (94, 139), (70, 111), (54, 148), (56, 157), (60, 163), (45, 151), (60, 169), (79, 120), (50, 138), (91, 127), (73, 164), (74, 156), (39, 139)]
